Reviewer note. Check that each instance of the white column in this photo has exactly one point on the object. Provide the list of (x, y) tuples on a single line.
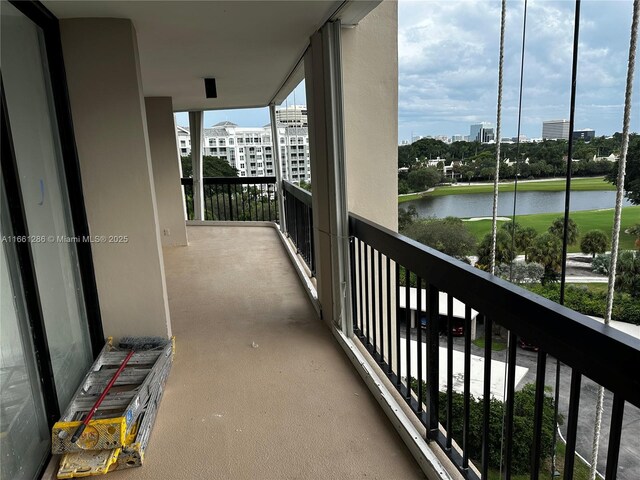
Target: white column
[(166, 170), (323, 78), (195, 129), (275, 156)]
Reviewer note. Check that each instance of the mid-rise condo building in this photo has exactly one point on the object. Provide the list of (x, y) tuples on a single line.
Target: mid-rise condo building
[(250, 149)]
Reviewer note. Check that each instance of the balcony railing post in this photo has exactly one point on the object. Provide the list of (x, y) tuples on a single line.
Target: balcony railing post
[(230, 202), (433, 368), (195, 128), (275, 156)]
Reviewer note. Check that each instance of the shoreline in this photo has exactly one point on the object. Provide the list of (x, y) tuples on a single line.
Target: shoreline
[(534, 185)]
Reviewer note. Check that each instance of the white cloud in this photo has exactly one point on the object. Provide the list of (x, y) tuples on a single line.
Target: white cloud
[(448, 64)]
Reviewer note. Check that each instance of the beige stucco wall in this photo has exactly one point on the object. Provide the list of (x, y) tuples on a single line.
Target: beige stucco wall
[(108, 112), (370, 76), (370, 86), (166, 170), (320, 173), (370, 101)]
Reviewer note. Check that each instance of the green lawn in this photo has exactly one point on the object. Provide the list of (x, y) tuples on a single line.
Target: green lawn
[(410, 196), (555, 185), (496, 345), (586, 220)]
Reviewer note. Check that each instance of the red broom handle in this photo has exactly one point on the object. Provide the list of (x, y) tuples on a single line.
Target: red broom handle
[(96, 405)]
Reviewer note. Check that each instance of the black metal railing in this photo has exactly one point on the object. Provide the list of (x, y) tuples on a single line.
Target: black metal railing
[(299, 221), (235, 198), (187, 192), (388, 269)]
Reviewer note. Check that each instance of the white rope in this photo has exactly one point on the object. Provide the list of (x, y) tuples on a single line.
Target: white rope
[(494, 226), (615, 247)]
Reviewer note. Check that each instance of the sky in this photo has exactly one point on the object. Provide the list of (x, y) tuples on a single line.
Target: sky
[(246, 117), (448, 67)]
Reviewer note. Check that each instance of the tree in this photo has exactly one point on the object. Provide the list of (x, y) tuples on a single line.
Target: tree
[(423, 179), (305, 185), (546, 249), (524, 403), (594, 241), (635, 230), (628, 273), (632, 176), (627, 270), (403, 187), (211, 167), (557, 229), (519, 272), (406, 217), (449, 235), (523, 236), (504, 254), (524, 239)]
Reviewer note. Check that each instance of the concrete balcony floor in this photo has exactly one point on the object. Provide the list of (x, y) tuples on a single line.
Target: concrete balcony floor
[(290, 406)]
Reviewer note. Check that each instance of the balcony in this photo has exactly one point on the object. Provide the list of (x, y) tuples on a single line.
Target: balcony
[(392, 342), (259, 387)]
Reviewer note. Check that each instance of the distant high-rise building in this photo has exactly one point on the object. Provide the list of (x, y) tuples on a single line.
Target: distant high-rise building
[(586, 134), (481, 132), (458, 138), (292, 116), (555, 130)]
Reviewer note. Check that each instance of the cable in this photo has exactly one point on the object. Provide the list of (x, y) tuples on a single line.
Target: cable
[(615, 244), (567, 204), (515, 185)]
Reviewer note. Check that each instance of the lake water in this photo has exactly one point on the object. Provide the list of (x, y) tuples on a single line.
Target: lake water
[(481, 204)]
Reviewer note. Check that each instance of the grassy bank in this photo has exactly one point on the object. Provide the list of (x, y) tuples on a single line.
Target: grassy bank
[(410, 196), (586, 220), (555, 185)]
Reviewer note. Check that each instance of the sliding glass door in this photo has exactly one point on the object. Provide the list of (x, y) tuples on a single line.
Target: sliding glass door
[(44, 193), (45, 344), (24, 434)]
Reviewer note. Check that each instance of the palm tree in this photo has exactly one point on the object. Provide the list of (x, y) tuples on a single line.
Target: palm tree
[(557, 229)]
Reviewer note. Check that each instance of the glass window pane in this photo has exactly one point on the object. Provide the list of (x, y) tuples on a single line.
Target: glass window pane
[(24, 436), (44, 193)]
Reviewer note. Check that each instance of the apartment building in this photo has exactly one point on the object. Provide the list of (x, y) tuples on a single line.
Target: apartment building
[(292, 115), (250, 149), (555, 130)]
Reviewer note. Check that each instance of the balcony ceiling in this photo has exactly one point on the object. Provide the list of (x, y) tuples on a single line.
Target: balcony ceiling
[(250, 47)]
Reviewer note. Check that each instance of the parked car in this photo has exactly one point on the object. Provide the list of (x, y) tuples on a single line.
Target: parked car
[(525, 345), (457, 330)]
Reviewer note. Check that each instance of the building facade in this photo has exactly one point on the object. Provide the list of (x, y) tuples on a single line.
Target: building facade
[(555, 130), (481, 132), (586, 134), (292, 116), (250, 149)]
